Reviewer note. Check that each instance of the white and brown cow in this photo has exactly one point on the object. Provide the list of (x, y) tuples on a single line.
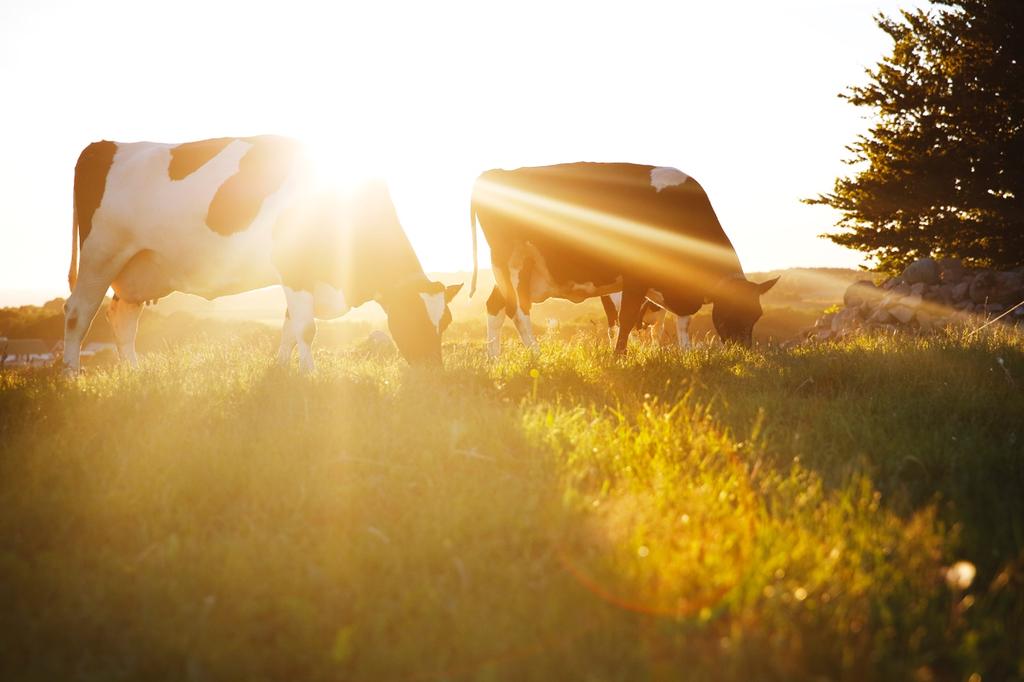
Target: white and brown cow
[(580, 230), (228, 215)]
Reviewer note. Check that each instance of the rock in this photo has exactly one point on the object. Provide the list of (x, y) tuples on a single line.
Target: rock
[(960, 291), (847, 319), (951, 270), (982, 286), (941, 294), (860, 293), (922, 270), (918, 289), (994, 308), (890, 283), (913, 302), (903, 289), (880, 316), (902, 313), (1008, 288)]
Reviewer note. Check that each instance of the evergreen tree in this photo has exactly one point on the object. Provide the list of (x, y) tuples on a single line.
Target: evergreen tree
[(941, 171)]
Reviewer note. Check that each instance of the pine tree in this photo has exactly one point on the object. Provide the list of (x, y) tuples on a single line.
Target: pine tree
[(941, 171)]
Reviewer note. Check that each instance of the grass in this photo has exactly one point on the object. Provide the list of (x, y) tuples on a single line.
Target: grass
[(719, 514)]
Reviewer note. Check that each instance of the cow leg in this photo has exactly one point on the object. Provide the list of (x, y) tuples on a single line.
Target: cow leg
[(683, 331), (97, 271), (303, 325), (658, 327), (124, 320), (284, 352), (521, 316), (495, 318), (611, 313), (525, 328), (629, 315)]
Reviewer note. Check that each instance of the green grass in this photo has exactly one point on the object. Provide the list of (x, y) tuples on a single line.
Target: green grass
[(719, 514)]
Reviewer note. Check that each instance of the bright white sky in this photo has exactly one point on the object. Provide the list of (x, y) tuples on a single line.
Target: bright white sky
[(741, 95)]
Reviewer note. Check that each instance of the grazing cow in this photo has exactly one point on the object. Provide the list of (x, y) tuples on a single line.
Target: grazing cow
[(579, 230), (651, 317), (228, 215)]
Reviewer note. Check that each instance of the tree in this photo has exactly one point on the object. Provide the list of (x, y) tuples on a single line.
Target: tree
[(941, 170)]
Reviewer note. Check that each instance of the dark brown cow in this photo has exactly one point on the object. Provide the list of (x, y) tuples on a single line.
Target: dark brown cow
[(579, 230)]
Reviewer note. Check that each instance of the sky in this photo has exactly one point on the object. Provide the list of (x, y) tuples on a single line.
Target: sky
[(741, 95)]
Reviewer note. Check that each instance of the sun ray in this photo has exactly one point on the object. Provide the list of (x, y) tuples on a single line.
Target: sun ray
[(659, 251)]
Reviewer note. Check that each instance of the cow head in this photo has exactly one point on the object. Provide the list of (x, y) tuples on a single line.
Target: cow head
[(417, 316), (737, 306)]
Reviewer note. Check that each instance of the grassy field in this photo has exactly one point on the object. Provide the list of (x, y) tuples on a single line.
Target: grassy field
[(718, 514)]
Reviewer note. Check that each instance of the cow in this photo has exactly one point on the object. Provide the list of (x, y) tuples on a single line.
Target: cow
[(651, 317), (222, 216), (579, 230)]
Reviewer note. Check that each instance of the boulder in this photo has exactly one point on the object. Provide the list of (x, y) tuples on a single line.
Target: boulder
[(960, 291), (981, 287), (890, 283), (941, 294), (951, 270), (1008, 288), (918, 289), (903, 289), (881, 316), (859, 293), (924, 270), (902, 313), (846, 320), (912, 301)]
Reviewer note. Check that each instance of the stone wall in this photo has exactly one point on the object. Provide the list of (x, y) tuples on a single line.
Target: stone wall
[(929, 295)]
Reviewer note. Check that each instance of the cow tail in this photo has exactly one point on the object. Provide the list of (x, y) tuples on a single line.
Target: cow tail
[(73, 270), (472, 227)]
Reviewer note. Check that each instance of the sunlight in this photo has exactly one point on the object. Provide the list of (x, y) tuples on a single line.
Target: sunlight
[(339, 162), (658, 250)]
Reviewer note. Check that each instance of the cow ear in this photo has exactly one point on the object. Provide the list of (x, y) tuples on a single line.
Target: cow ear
[(451, 290), (763, 287)]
